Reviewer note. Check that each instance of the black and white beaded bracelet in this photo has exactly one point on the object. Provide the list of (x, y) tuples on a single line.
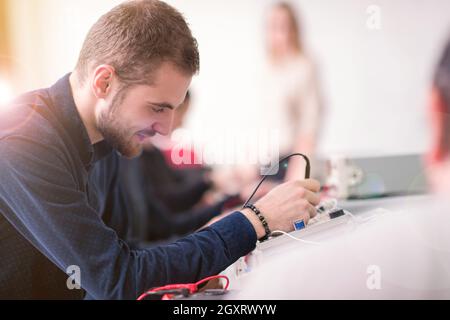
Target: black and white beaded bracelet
[(262, 219)]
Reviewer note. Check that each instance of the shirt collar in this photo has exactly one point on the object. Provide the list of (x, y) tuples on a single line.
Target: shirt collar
[(64, 106)]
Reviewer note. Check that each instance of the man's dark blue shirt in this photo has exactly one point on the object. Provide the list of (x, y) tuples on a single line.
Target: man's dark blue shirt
[(61, 206)]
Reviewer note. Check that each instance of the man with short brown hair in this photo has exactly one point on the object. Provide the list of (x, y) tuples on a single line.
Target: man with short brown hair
[(61, 209)]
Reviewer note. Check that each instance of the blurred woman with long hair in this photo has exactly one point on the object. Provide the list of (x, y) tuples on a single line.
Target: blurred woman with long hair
[(290, 93)]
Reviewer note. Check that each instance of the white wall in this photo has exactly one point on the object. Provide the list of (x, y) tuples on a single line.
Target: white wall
[(374, 82)]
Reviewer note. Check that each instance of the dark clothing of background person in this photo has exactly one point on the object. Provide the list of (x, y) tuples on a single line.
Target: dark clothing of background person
[(152, 219), (178, 189)]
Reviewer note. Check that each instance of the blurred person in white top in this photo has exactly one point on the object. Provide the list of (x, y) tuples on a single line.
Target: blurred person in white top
[(401, 255), (290, 102)]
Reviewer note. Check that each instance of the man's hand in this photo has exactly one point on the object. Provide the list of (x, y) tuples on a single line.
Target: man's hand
[(286, 204), (264, 189)]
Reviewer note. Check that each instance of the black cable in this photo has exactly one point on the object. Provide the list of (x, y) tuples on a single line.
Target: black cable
[(307, 172)]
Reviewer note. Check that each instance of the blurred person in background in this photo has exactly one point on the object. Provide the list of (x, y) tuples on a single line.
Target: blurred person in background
[(290, 95), (401, 255)]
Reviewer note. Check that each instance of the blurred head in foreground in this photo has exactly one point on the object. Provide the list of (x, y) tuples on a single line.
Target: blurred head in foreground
[(438, 159)]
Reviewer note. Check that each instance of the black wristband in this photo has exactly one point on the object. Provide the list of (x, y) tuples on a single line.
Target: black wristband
[(262, 219)]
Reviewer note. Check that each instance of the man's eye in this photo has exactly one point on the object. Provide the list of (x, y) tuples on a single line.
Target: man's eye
[(158, 110)]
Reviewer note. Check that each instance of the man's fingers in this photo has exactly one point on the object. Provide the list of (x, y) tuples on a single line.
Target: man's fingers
[(312, 197), (310, 184), (312, 211)]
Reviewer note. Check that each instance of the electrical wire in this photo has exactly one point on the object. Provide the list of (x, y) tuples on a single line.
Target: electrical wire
[(215, 278), (190, 287), (307, 172), (352, 217), (296, 239)]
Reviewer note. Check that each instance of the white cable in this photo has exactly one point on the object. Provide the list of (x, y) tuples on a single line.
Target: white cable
[(352, 216), (297, 239)]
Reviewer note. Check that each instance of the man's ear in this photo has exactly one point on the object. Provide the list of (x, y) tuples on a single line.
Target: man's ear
[(439, 122), (102, 81)]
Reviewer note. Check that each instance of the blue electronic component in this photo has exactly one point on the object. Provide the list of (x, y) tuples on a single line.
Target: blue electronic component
[(299, 225)]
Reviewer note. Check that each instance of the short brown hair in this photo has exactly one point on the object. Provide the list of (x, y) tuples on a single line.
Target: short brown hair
[(135, 38)]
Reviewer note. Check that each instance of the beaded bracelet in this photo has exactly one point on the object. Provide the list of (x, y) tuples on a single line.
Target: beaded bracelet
[(262, 219)]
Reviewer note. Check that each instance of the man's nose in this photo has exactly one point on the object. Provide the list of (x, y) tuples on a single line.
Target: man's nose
[(164, 128)]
